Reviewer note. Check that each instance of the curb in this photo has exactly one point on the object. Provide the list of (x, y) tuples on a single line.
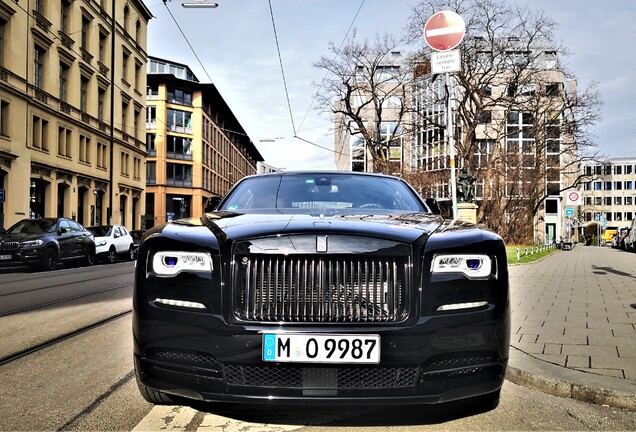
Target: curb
[(527, 371)]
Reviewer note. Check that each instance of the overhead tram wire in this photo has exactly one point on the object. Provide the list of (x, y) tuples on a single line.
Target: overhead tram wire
[(346, 36), (282, 70)]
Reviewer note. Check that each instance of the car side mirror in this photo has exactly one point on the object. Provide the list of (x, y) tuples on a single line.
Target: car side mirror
[(433, 206), (212, 203), (63, 231)]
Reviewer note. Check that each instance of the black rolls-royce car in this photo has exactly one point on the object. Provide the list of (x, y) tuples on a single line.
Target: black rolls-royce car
[(321, 287)]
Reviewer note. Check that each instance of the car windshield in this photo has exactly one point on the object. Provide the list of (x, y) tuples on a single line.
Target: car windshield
[(100, 231), (326, 193), (33, 226)]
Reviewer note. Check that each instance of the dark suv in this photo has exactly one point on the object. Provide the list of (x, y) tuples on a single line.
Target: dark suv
[(46, 242)]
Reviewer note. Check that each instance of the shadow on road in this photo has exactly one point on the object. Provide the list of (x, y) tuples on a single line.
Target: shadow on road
[(343, 415)]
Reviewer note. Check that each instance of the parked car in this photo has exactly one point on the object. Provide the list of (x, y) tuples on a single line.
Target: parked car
[(112, 242), (321, 287), (620, 238), (45, 243), (630, 240), (136, 236)]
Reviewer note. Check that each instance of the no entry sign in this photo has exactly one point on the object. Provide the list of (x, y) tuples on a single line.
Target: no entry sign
[(444, 30)]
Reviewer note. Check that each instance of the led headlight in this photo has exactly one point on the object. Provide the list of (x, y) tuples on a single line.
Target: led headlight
[(171, 263), (32, 243), (473, 266)]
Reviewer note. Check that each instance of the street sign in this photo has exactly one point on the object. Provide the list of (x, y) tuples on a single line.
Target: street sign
[(447, 61), (573, 198), (569, 211), (444, 30)]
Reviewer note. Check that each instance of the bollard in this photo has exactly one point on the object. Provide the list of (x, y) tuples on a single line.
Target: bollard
[(518, 254)]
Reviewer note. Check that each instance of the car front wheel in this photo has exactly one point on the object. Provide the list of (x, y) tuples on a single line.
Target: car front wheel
[(131, 253), (89, 257), (153, 396), (49, 259), (112, 255)]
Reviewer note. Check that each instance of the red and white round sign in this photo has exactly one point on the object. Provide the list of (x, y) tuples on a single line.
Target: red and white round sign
[(444, 30), (574, 196)]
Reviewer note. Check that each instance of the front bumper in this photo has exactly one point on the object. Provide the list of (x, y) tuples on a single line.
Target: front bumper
[(26, 256), (438, 359)]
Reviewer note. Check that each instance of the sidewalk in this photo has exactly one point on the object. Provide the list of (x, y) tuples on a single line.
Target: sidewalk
[(574, 325)]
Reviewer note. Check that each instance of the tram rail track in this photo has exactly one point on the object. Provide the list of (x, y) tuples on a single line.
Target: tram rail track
[(61, 338)]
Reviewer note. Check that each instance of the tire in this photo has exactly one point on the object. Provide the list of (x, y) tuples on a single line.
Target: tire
[(154, 396), (89, 257), (49, 259), (111, 258), (131, 253)]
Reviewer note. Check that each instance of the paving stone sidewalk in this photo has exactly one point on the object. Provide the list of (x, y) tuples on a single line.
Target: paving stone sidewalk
[(577, 310)]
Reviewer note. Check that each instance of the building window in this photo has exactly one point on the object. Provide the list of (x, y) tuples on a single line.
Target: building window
[(618, 185), (125, 157), (4, 118), (103, 43), (38, 67), (63, 81), (126, 17), (485, 117), (179, 121), (151, 117), (2, 25), (64, 142), (179, 175), (138, 31), (40, 133), (39, 7), (86, 27), (124, 115), (150, 144), (628, 169), (179, 96), (124, 66), (179, 148), (151, 173), (629, 185), (85, 149), (152, 91), (137, 75), (618, 169), (84, 94), (101, 95), (102, 155), (607, 185), (64, 19), (136, 168)]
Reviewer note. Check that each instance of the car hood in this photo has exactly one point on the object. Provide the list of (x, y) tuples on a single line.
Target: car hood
[(21, 237), (398, 227)]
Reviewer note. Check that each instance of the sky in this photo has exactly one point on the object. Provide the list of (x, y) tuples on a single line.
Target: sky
[(234, 46)]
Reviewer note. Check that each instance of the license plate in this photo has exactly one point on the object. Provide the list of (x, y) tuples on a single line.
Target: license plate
[(321, 348), (5, 257)]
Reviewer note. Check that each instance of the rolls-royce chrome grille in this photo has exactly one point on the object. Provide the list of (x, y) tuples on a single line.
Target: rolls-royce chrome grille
[(275, 288)]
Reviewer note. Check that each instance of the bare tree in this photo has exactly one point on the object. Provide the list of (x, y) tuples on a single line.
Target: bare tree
[(367, 86), (524, 126)]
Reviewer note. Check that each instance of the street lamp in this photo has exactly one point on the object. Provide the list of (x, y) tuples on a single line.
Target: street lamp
[(197, 4)]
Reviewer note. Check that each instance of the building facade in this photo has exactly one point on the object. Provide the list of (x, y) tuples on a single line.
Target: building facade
[(196, 146), (72, 101), (609, 197), (511, 121)]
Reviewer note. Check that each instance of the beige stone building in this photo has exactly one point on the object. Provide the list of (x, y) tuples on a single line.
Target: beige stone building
[(196, 146), (72, 95)]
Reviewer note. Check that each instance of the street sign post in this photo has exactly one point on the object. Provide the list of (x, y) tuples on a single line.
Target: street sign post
[(443, 32)]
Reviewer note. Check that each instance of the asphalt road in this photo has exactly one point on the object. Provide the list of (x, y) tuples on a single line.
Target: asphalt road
[(85, 381)]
